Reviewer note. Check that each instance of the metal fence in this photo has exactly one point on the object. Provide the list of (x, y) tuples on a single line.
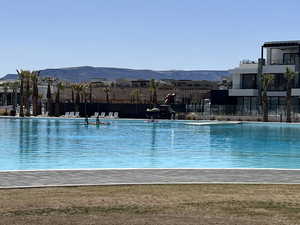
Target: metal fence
[(245, 111), (275, 113)]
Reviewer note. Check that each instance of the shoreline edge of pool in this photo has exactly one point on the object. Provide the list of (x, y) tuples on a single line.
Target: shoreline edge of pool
[(99, 177)]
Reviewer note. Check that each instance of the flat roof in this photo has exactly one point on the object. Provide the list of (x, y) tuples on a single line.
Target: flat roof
[(281, 43)]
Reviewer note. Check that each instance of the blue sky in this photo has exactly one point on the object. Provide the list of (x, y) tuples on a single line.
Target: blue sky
[(144, 34)]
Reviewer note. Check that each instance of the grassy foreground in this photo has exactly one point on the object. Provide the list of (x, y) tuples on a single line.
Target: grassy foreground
[(153, 204)]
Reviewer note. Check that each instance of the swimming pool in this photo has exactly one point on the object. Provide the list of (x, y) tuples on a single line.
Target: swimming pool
[(28, 144)]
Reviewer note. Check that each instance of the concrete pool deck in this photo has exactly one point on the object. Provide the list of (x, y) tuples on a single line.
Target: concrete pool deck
[(85, 177)]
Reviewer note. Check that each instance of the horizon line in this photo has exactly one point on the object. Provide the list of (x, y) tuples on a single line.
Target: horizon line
[(124, 68)]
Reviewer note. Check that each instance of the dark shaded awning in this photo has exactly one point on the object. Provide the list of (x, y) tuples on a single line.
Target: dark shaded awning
[(281, 44)]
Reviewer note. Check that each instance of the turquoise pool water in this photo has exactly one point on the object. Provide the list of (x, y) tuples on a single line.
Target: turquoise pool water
[(69, 144)]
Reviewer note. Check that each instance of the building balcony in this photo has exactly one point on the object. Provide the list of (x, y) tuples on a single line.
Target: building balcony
[(278, 68), (296, 92), (243, 92), (254, 92), (276, 93)]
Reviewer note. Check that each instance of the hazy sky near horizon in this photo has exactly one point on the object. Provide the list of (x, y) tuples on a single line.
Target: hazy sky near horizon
[(141, 34)]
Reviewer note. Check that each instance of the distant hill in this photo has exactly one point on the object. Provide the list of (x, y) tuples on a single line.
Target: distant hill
[(9, 77), (86, 73)]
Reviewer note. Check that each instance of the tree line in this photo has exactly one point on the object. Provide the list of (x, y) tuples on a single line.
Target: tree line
[(25, 91)]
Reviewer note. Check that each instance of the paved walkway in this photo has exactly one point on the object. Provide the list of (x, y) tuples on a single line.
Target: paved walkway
[(11, 179)]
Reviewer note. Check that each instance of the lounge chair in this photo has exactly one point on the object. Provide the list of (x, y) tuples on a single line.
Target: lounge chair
[(44, 114), (102, 115), (66, 114), (77, 115), (116, 115), (110, 115), (71, 115), (95, 115)]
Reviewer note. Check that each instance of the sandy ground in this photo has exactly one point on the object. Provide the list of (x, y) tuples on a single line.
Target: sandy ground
[(153, 204)]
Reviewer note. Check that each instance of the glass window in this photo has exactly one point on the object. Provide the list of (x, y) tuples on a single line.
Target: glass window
[(278, 83), (289, 58), (254, 105), (247, 104), (248, 81), (282, 100), (273, 101), (254, 102), (240, 100), (247, 101)]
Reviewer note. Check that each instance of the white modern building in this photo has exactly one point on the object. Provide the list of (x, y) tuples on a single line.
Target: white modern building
[(246, 79)]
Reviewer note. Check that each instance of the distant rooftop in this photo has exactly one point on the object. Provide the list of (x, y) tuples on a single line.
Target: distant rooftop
[(281, 43)]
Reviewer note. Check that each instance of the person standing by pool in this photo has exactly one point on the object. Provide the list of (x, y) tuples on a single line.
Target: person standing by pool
[(97, 120), (86, 120)]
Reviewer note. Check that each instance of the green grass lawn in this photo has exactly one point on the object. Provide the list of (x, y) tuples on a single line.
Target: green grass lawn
[(153, 204)]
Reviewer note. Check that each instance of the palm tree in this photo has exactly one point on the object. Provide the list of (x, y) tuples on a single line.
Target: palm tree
[(289, 75), (73, 87), (266, 80), (40, 97), (50, 81), (60, 87), (136, 96), (86, 91), (35, 91), (14, 87), (107, 90), (73, 96), (90, 85), (22, 76), (78, 88), (153, 92), (49, 96), (27, 93), (63, 86), (5, 87), (132, 96)]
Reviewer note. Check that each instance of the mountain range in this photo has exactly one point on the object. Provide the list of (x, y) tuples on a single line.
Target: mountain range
[(88, 73)]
